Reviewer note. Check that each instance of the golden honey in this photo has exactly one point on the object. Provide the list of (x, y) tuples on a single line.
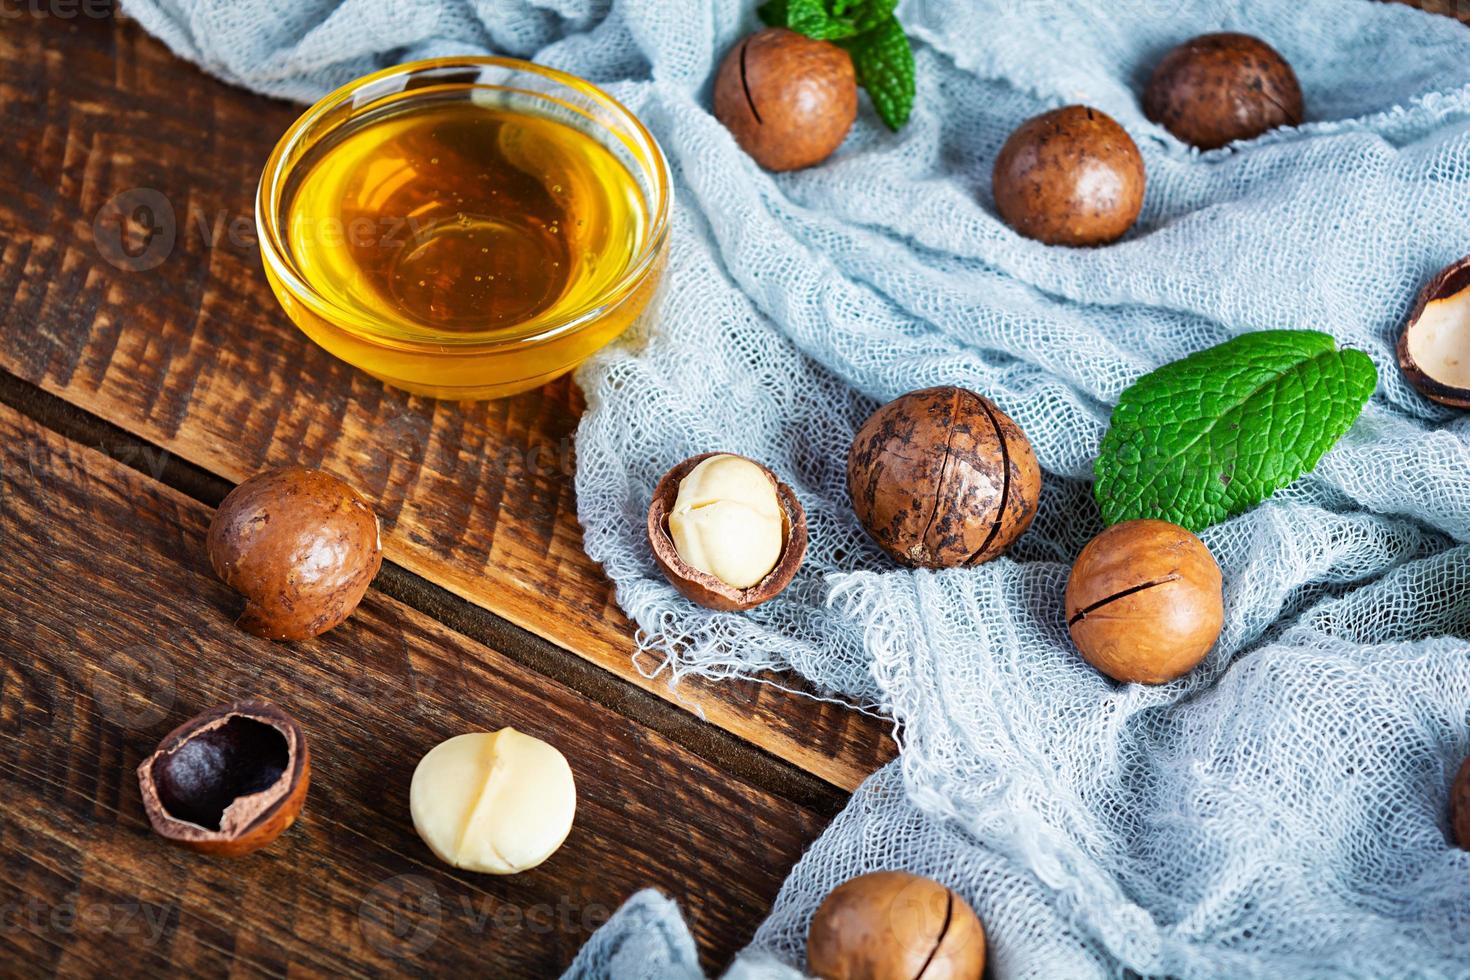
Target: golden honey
[(462, 218), (462, 245)]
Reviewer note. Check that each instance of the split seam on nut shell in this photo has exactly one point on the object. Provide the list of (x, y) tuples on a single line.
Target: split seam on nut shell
[(745, 83), (1005, 483), (943, 931), (1082, 613)]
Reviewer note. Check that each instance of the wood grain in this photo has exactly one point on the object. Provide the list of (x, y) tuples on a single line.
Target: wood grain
[(195, 356), (113, 630)]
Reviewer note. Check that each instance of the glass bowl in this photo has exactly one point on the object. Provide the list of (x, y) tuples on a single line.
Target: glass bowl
[(465, 363)]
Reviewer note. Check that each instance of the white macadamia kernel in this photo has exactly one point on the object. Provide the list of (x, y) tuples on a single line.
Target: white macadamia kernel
[(498, 802), (726, 521)]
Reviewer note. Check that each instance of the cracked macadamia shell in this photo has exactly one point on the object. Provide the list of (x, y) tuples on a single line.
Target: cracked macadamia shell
[(787, 99), (892, 925), (1219, 88), (942, 477), (1434, 348), (702, 587), (228, 781), (1460, 806), (300, 545), (1071, 176), (1145, 601)]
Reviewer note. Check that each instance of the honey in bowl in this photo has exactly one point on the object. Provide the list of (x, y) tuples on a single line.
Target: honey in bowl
[(464, 218), (465, 228)]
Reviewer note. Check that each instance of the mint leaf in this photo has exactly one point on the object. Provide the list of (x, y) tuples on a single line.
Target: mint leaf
[(885, 67), (866, 14), (809, 17), (1214, 434)]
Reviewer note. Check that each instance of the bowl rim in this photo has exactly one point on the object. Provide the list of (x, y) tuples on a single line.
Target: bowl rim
[(394, 333)]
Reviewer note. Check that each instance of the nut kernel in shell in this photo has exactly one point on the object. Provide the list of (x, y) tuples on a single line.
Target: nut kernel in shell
[(726, 520), (787, 99), (892, 925), (701, 586), (228, 781), (1144, 602), (942, 477), (498, 802), (300, 545), (1071, 176), (1216, 89), (1434, 348)]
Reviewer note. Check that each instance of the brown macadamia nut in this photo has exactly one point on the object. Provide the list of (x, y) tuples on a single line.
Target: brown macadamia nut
[(229, 781), (717, 515), (1460, 806), (787, 99), (892, 925), (1144, 602), (300, 545), (1219, 88), (942, 477), (1071, 176)]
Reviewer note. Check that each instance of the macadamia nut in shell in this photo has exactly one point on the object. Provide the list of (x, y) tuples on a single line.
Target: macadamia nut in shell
[(498, 802), (716, 535), (1071, 176), (300, 545), (892, 925), (942, 477), (787, 99), (1218, 88), (726, 520), (1144, 601)]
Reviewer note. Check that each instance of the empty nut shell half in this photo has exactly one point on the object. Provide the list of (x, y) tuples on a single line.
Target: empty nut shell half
[(228, 781), (702, 587), (1434, 349), (892, 925), (1460, 806)]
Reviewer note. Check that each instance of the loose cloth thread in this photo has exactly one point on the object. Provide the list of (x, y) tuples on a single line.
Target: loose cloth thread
[(1278, 812)]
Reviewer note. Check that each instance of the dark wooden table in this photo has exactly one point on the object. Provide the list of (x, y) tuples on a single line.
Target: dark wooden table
[(130, 402)]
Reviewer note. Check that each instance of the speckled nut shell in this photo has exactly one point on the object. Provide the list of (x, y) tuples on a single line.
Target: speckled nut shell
[(228, 781), (1144, 601), (1071, 176), (1460, 806), (892, 925), (702, 587), (300, 545), (787, 99), (942, 477), (1218, 88), (1450, 286)]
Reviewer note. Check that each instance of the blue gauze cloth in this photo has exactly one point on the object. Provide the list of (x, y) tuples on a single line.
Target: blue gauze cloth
[(1280, 811)]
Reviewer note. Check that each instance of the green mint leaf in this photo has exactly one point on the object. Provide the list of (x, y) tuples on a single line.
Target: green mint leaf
[(884, 62), (1214, 434), (865, 14), (809, 17)]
